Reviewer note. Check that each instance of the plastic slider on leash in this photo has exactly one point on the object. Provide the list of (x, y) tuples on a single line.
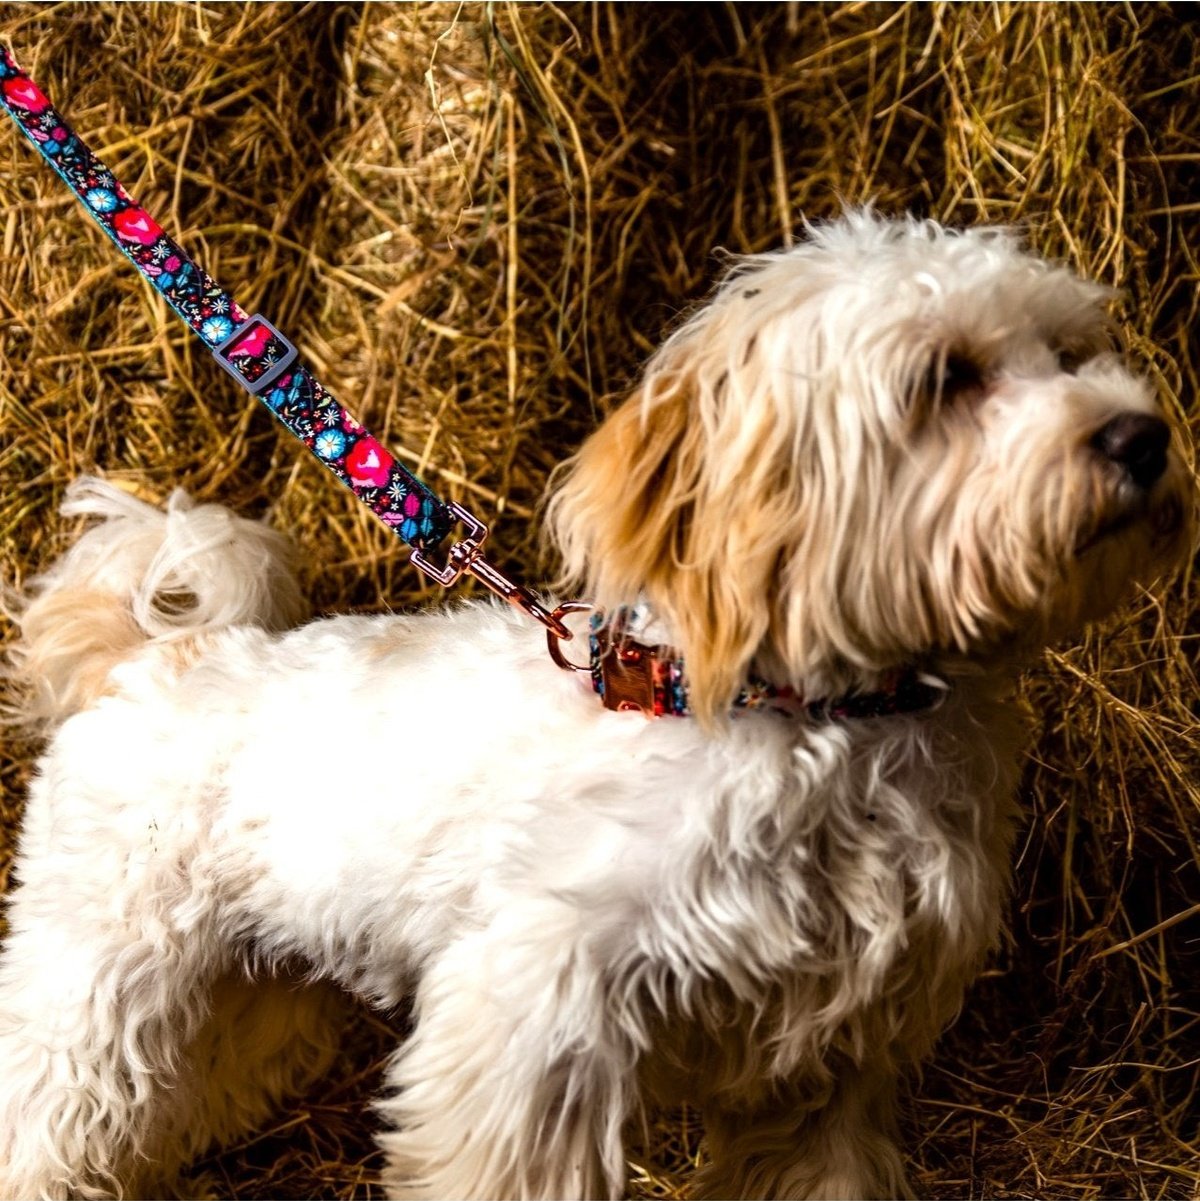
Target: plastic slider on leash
[(267, 364)]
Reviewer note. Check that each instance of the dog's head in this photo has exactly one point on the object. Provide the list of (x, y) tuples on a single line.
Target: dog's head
[(889, 444)]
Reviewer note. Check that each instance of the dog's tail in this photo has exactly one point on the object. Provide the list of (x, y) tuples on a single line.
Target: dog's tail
[(142, 575)]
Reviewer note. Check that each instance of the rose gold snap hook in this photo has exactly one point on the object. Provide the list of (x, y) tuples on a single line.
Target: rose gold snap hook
[(466, 558), (553, 638)]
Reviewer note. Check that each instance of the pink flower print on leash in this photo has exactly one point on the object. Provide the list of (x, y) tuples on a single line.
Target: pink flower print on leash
[(136, 225), (26, 94), (369, 463)]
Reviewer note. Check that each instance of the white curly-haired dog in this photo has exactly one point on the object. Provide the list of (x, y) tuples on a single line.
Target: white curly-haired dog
[(892, 448)]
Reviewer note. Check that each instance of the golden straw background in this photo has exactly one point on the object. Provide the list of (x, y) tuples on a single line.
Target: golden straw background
[(477, 221)]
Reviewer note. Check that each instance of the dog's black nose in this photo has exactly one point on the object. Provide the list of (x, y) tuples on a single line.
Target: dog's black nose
[(1138, 442)]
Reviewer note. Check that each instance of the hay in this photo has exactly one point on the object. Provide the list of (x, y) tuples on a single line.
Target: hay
[(476, 221)]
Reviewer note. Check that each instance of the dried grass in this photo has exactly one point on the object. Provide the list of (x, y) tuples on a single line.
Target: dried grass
[(476, 221)]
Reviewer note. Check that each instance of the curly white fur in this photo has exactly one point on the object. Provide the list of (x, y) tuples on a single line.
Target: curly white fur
[(770, 917)]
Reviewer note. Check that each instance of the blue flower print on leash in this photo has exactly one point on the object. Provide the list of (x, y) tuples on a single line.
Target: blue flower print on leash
[(216, 329), (330, 444), (101, 200)]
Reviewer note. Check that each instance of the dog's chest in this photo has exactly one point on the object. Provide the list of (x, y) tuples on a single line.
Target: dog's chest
[(805, 1027), (844, 922)]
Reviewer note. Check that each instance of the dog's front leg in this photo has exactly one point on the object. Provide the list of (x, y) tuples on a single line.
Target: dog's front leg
[(516, 1080), (841, 1148), (95, 1013)]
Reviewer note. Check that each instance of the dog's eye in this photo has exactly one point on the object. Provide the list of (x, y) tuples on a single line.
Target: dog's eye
[(955, 379)]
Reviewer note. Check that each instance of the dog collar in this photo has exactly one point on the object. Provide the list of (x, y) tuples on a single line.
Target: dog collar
[(632, 676)]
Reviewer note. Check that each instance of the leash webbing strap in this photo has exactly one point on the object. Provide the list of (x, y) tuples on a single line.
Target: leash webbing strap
[(250, 348)]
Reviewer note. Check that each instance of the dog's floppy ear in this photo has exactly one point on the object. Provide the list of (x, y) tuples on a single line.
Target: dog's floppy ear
[(684, 498)]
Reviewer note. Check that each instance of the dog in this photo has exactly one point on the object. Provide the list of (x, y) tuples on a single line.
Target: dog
[(893, 449)]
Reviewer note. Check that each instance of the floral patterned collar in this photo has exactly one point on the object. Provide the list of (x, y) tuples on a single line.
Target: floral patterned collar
[(629, 675)]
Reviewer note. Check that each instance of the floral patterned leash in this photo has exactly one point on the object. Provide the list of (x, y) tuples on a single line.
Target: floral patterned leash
[(263, 361), (626, 674)]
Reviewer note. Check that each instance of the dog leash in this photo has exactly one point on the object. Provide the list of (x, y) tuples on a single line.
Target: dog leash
[(265, 362), (626, 674)]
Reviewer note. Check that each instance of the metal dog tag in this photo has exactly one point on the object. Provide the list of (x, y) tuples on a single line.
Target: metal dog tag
[(627, 669)]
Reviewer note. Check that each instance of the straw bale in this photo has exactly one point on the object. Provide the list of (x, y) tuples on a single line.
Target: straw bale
[(476, 220)]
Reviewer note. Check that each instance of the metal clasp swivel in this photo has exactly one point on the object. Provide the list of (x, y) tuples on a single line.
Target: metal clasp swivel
[(466, 558)]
